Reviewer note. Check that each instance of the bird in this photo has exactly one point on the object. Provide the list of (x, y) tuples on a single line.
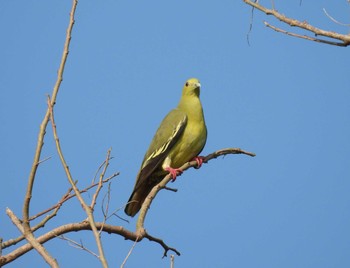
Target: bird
[(180, 138)]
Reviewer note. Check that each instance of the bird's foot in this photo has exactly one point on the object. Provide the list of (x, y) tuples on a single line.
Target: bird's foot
[(174, 172), (199, 160)]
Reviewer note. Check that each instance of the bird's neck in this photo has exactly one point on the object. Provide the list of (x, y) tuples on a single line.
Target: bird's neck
[(192, 106)]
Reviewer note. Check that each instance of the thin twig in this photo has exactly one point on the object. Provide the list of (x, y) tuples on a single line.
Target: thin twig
[(105, 211), (63, 199), (334, 20), (68, 197), (45, 159), (108, 195), (100, 182), (78, 245), (129, 253), (172, 261), (98, 170)]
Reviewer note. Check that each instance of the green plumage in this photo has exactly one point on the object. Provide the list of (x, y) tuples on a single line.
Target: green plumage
[(180, 137)]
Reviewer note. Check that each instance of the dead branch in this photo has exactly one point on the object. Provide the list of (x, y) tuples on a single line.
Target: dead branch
[(342, 40)]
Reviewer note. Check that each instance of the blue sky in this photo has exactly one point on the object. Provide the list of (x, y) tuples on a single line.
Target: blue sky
[(283, 98)]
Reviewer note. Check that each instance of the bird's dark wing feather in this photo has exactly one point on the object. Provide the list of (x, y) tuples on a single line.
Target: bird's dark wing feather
[(167, 135)]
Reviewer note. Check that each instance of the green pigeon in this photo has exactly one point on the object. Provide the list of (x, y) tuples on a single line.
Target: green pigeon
[(180, 138)]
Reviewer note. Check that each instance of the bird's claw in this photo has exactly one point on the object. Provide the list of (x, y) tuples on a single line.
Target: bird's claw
[(174, 172), (199, 160)]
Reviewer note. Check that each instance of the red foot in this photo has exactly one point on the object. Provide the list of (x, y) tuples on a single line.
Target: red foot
[(199, 160), (173, 172)]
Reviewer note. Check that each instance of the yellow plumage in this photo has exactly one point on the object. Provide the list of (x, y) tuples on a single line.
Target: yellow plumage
[(180, 137)]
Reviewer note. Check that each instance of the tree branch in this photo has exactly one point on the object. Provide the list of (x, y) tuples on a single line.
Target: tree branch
[(343, 38), (72, 227)]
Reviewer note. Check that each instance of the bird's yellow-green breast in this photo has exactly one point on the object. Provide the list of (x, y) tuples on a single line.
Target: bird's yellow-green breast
[(180, 137), (194, 136)]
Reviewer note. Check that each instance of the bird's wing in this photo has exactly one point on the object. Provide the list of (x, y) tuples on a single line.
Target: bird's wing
[(167, 135)]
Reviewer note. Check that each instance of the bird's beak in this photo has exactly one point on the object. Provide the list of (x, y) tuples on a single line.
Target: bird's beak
[(198, 85)]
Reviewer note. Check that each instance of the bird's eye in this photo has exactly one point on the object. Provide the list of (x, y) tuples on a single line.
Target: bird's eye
[(186, 84)]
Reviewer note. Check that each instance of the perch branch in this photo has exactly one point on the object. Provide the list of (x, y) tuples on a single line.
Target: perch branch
[(147, 203), (140, 230)]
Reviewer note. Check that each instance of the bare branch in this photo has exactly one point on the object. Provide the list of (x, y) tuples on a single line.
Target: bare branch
[(88, 210), (72, 227), (302, 36), (27, 232), (343, 39)]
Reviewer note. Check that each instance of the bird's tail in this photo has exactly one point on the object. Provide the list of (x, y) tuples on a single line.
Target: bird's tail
[(136, 200)]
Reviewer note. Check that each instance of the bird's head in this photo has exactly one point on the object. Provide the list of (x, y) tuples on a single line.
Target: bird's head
[(191, 87)]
